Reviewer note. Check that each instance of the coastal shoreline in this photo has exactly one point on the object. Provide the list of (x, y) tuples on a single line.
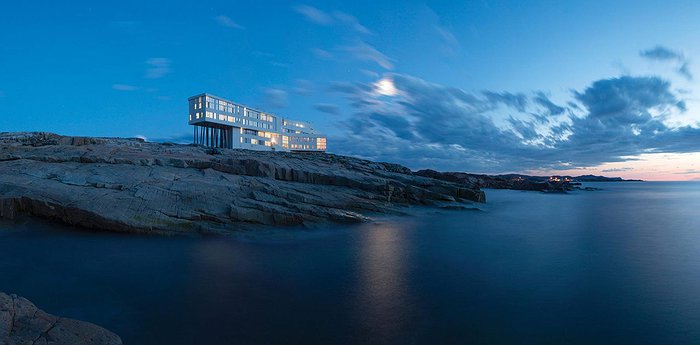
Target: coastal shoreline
[(129, 185)]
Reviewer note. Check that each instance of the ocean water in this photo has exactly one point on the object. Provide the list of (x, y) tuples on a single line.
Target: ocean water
[(615, 266)]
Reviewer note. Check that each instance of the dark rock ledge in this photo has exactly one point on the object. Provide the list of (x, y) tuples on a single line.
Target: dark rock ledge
[(518, 182), (21, 322), (129, 185)]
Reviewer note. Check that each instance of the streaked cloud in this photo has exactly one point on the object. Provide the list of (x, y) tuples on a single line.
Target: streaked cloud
[(327, 108), (552, 109), (684, 70), (688, 172), (303, 87), (448, 39), (339, 18), (226, 21), (279, 64), (314, 15), (275, 98), (371, 74), (158, 68), (660, 53), (263, 54), (350, 21), (364, 52), (623, 169), (322, 54), (125, 87), (514, 100), (432, 125)]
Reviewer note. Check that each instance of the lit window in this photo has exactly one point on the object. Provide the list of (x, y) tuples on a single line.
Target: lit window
[(321, 144)]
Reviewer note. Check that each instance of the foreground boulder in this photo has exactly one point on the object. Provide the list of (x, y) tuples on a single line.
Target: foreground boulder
[(134, 186), (21, 322)]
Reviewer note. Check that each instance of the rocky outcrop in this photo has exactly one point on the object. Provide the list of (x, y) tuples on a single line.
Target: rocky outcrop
[(515, 182), (134, 186), (21, 322)]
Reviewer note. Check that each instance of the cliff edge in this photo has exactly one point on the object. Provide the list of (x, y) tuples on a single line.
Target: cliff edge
[(129, 185)]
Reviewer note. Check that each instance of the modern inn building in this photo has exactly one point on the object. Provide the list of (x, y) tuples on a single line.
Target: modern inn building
[(221, 123)]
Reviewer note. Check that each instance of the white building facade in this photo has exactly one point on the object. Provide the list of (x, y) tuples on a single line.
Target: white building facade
[(221, 123)]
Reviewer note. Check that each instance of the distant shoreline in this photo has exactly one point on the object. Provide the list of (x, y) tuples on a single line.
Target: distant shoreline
[(555, 183)]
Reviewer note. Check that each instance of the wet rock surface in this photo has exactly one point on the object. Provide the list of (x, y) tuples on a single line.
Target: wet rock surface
[(130, 185), (21, 322)]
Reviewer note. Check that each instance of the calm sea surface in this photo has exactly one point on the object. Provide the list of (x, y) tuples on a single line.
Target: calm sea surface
[(616, 266)]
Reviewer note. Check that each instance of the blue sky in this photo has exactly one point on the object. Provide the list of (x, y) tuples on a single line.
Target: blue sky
[(494, 69)]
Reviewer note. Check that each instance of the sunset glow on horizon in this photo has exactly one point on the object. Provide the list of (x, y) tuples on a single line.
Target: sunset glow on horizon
[(647, 167)]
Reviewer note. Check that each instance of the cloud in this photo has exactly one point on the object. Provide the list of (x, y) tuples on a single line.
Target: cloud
[(327, 108), (660, 53), (279, 64), (322, 54), (350, 21), (228, 22), (518, 101), (320, 17), (275, 98), (684, 70), (552, 109), (357, 49), (449, 41), (348, 88), (314, 15), (158, 68), (365, 52), (262, 54), (303, 87), (125, 87), (432, 125), (688, 172), (617, 170), (371, 74), (625, 99)]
